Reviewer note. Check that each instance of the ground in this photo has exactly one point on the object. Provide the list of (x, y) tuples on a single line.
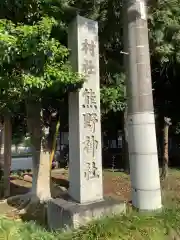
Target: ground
[(116, 184), (132, 226)]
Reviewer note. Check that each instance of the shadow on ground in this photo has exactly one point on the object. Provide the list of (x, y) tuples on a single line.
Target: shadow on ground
[(59, 186), (61, 182), (16, 189)]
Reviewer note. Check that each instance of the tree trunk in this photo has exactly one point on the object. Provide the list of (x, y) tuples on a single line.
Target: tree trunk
[(53, 148), (40, 192), (40, 152), (7, 154), (164, 173)]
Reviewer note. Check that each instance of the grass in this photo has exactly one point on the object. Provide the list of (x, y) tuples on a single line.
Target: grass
[(133, 226)]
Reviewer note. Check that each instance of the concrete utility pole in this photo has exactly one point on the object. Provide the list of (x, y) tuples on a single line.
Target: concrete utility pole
[(144, 168)]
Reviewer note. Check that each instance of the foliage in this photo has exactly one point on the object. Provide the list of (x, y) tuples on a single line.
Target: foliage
[(164, 23), (34, 35), (131, 226), (33, 62), (108, 13), (113, 97), (165, 31), (36, 60)]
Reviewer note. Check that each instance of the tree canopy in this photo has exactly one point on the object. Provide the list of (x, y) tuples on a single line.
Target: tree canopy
[(34, 54), (164, 26)]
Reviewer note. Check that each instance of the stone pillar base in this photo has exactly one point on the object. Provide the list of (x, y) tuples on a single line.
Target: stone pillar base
[(67, 214)]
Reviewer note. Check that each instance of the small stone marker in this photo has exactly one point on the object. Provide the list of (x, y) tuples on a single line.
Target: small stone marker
[(85, 156)]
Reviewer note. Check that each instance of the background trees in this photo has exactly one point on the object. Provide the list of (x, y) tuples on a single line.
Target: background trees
[(34, 71), (34, 66), (164, 25)]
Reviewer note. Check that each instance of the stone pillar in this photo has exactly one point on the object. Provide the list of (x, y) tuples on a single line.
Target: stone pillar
[(85, 153), (144, 168)]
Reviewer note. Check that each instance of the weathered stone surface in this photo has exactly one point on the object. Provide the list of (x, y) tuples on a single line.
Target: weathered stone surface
[(85, 156), (65, 213)]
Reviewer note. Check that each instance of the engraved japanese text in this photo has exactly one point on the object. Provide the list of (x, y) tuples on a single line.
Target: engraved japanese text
[(90, 120), (88, 67), (89, 98), (90, 145), (91, 171), (89, 47)]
